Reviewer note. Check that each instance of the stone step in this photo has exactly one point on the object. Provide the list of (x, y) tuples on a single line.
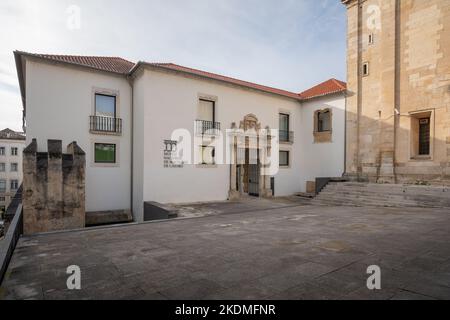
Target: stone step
[(412, 190), (391, 186), (411, 195), (395, 197), (362, 201), (383, 195)]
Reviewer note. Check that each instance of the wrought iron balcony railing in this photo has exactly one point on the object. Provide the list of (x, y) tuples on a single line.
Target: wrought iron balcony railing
[(105, 124), (286, 136), (203, 127)]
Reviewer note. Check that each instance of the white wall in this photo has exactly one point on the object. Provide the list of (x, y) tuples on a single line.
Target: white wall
[(59, 103), (169, 102), (7, 159), (322, 159)]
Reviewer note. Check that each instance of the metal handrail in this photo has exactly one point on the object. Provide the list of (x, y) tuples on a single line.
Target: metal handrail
[(105, 124), (207, 127)]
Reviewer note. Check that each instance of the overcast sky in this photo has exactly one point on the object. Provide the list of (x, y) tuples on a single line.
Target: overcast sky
[(288, 44)]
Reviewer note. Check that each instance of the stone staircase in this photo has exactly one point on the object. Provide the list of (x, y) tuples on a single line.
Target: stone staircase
[(383, 195)]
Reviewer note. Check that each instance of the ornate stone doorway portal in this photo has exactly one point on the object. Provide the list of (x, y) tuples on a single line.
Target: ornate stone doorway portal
[(249, 152)]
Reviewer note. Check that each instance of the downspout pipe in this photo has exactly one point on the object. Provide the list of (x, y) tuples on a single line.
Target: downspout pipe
[(131, 83)]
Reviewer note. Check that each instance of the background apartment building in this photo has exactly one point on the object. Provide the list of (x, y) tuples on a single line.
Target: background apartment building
[(11, 147)]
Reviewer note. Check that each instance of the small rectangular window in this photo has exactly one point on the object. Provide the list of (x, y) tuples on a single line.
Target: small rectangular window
[(105, 106), (105, 153), (284, 158), (14, 185), (424, 137), (14, 151), (207, 155), (365, 69), (2, 199), (371, 38), (2, 151), (2, 167), (324, 121), (2, 185), (14, 167)]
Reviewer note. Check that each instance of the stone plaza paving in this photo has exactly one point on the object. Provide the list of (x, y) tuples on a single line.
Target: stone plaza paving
[(277, 251)]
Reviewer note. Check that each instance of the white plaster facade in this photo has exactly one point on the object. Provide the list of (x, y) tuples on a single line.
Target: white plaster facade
[(152, 103), (10, 169)]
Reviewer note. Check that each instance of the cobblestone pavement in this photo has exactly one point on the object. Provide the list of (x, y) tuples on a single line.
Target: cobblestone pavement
[(286, 252)]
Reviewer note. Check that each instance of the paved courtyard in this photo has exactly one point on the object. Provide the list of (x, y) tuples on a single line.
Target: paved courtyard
[(282, 251)]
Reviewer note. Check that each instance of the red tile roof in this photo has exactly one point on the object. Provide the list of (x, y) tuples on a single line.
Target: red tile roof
[(328, 87), (110, 64), (175, 67), (125, 67)]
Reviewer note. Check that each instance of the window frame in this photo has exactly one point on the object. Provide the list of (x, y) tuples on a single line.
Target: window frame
[(14, 164), (365, 69), (319, 121), (288, 152), (2, 151), (5, 182), (105, 95), (213, 106), (16, 183), (213, 156), (105, 162), (4, 199), (3, 165), (14, 151)]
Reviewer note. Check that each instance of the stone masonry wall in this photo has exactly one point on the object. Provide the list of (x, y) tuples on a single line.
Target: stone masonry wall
[(54, 188), (409, 74)]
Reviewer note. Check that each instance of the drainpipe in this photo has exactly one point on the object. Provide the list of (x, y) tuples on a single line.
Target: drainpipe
[(359, 91), (345, 134), (397, 83), (130, 82)]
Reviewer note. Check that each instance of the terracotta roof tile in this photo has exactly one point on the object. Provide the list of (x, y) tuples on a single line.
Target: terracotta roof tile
[(210, 75), (325, 88), (125, 67), (110, 64)]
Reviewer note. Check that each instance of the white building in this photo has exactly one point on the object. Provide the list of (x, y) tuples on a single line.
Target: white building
[(126, 116), (11, 146)]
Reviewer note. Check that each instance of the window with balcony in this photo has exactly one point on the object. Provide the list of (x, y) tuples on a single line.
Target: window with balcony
[(105, 153), (206, 120), (284, 128), (105, 119), (14, 185)]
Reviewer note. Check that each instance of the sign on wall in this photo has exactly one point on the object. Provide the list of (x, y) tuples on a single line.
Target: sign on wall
[(171, 156)]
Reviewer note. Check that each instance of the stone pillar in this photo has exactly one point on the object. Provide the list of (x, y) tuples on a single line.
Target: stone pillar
[(55, 204), (234, 193)]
